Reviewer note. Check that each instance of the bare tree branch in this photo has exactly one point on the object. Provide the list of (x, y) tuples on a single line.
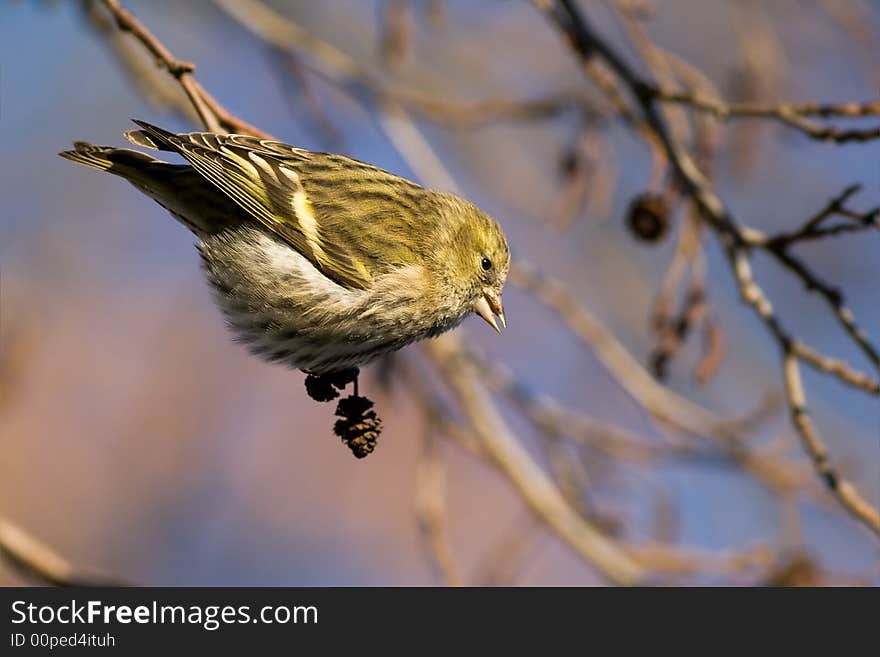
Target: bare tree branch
[(587, 45), (36, 560)]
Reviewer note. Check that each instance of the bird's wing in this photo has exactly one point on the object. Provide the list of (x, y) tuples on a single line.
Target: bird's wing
[(296, 195)]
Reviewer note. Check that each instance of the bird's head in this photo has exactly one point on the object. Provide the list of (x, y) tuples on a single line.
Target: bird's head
[(472, 253)]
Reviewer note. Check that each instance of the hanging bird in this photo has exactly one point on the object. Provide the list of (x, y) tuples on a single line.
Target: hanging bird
[(318, 261)]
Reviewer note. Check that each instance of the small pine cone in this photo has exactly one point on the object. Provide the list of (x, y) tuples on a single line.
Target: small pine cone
[(320, 388), (360, 437), (648, 217), (353, 407), (358, 427)]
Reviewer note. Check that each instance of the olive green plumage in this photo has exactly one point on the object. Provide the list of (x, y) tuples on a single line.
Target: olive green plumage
[(318, 260)]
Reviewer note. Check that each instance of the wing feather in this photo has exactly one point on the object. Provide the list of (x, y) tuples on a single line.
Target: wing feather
[(261, 176)]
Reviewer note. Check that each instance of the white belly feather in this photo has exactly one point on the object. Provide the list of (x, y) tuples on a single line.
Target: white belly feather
[(285, 310)]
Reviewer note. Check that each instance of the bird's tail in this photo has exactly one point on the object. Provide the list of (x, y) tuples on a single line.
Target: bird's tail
[(121, 161), (178, 188)]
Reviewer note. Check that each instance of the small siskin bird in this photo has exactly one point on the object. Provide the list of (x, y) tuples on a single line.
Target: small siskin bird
[(318, 261)]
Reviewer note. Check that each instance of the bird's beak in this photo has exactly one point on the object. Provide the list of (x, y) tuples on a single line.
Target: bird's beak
[(488, 304)]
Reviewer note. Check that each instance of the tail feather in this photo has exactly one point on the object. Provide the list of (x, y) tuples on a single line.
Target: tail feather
[(121, 161), (178, 188)]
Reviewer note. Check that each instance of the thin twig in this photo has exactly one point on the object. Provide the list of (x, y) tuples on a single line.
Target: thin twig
[(793, 116), (430, 508), (845, 492), (214, 117), (36, 560)]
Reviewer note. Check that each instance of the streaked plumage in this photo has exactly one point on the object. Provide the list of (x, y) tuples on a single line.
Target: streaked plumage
[(317, 260)]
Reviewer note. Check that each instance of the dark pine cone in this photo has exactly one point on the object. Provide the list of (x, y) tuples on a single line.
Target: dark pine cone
[(358, 427), (320, 388), (648, 217)]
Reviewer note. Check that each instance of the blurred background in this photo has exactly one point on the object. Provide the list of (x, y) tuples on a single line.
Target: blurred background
[(137, 439)]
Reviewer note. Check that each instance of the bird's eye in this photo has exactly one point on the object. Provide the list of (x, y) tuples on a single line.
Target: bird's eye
[(487, 264)]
